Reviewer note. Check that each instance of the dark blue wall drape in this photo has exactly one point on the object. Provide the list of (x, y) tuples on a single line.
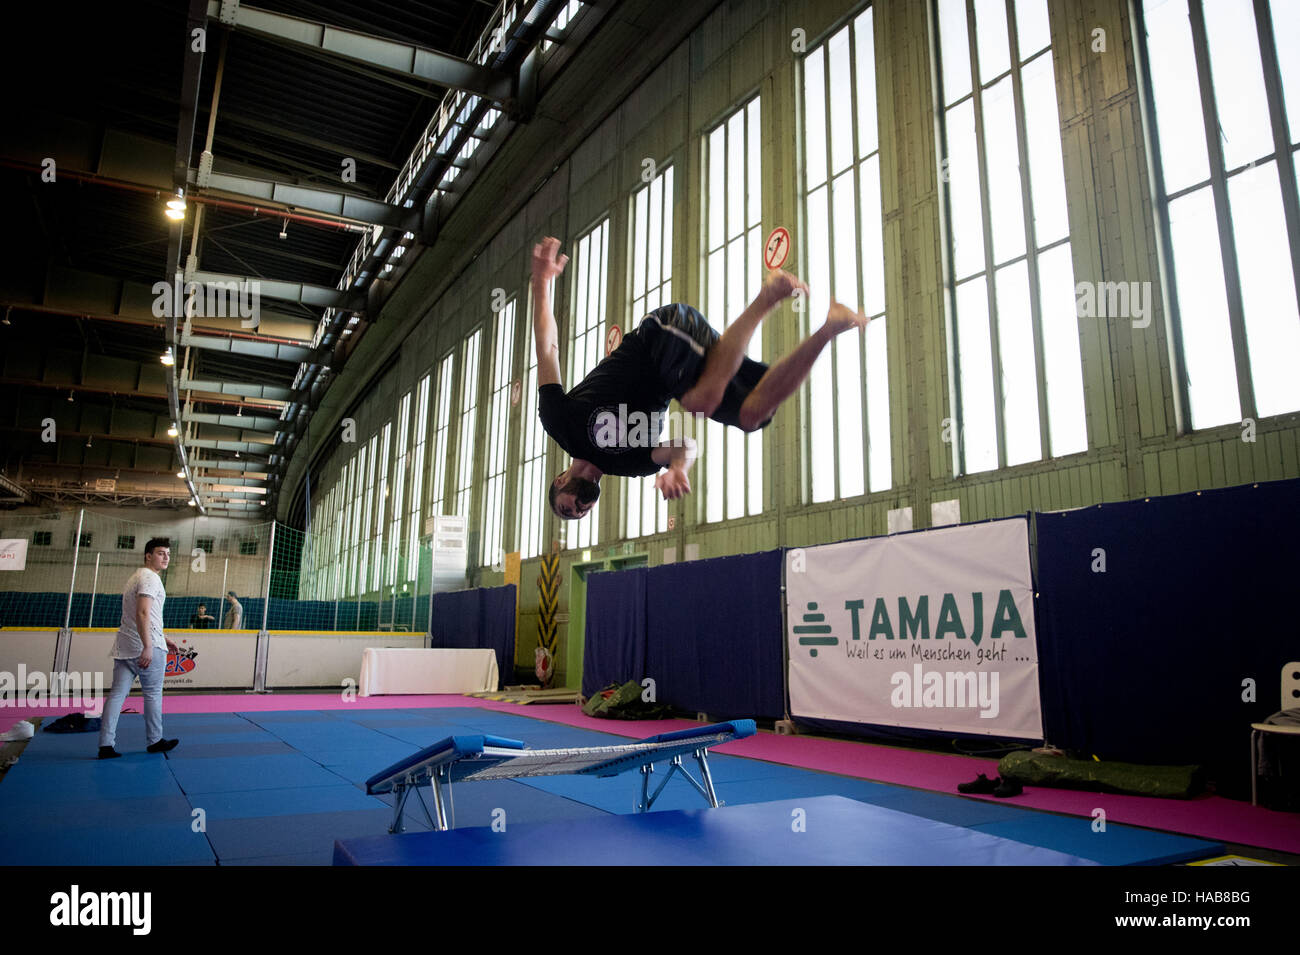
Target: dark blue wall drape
[(1145, 662), (476, 619), (708, 632), (616, 629), (715, 635)]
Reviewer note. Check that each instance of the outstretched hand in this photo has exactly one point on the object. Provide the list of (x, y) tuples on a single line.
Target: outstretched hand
[(547, 262), (673, 484), (780, 285), (841, 318)]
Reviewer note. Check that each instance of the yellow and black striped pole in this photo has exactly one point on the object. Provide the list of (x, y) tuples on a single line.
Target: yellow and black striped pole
[(548, 602)]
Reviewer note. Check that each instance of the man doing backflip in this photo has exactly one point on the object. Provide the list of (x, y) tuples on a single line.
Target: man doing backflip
[(674, 353)]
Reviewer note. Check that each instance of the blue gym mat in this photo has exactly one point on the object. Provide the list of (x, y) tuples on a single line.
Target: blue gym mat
[(280, 788), (823, 830)]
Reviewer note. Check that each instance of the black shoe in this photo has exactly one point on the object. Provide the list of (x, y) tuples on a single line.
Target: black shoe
[(162, 746), (108, 752), (1008, 787), (981, 784)]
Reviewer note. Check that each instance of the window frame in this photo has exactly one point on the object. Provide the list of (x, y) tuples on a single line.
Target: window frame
[(1284, 154), (991, 266)]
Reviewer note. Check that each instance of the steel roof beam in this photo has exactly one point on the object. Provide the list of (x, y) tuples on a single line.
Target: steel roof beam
[(275, 351), (318, 295), (309, 199), (244, 447), (405, 60), (238, 422), (242, 389), (251, 465)]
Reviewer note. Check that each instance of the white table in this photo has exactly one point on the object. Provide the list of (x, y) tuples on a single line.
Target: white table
[(394, 671)]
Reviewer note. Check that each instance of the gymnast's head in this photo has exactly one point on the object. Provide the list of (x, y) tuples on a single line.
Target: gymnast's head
[(572, 497)]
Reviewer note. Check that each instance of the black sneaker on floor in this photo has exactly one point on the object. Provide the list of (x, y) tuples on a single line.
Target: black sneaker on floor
[(108, 752), (980, 784), (162, 746), (1008, 787)]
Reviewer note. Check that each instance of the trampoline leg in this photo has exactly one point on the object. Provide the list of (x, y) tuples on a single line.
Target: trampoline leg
[(644, 804), (439, 808), (702, 757), (1254, 767), (399, 806)]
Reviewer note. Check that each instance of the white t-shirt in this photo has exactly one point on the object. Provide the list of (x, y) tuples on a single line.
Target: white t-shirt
[(128, 645)]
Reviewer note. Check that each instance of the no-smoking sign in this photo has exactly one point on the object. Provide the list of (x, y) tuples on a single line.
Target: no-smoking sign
[(777, 248), (613, 338)]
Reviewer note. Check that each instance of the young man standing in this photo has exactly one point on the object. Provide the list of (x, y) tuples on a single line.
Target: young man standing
[(674, 353), (234, 612), (140, 650)]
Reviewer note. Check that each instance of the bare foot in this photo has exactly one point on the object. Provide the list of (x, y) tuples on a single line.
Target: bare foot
[(841, 318)]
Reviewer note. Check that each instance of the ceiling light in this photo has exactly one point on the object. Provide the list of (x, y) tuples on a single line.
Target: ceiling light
[(191, 502), (176, 206), (180, 474), (6, 318), (167, 358), (70, 396), (172, 431)]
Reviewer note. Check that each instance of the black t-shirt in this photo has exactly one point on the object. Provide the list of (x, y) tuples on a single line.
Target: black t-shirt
[(613, 417)]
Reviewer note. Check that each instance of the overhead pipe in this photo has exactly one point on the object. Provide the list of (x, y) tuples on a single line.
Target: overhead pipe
[(270, 211)]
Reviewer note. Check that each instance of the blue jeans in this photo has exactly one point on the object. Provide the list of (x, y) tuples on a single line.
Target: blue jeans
[(151, 684)]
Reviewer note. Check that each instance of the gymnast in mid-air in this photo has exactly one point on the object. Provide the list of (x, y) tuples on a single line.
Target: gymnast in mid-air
[(674, 353)]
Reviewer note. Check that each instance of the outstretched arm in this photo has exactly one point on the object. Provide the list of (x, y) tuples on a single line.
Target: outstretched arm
[(674, 482), (547, 265)]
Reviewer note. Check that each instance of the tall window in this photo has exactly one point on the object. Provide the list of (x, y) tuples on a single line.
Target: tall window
[(848, 409), (561, 22), (1224, 81), (733, 274), (413, 528), (587, 348), (365, 531), (494, 497), (441, 436), (651, 274), (533, 481), (1019, 378), (401, 460), (382, 465), (352, 516), (470, 352)]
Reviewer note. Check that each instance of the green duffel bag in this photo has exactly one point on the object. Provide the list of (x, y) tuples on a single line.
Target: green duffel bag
[(1037, 769), (624, 703)]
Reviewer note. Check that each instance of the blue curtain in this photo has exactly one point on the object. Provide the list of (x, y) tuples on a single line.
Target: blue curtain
[(714, 635), (1145, 662), (478, 619), (616, 629)]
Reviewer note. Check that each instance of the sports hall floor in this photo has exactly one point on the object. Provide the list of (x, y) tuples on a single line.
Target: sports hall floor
[(280, 777)]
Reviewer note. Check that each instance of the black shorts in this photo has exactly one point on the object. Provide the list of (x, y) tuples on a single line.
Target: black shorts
[(677, 340)]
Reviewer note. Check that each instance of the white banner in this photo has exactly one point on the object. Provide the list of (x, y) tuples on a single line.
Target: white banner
[(932, 630), (206, 659), (13, 554)]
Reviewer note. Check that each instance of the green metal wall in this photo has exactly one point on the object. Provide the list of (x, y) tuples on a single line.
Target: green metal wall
[(1135, 448)]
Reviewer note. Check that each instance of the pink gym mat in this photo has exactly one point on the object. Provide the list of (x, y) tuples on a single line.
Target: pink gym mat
[(1210, 817)]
